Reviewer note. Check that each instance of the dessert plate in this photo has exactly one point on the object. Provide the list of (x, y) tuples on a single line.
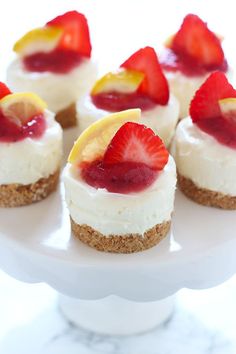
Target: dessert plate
[(37, 246)]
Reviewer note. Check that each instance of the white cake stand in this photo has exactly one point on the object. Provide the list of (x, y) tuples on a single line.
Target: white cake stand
[(36, 246)]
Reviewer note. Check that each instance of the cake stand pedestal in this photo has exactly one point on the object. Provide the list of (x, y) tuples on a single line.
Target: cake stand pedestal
[(114, 315), (117, 293)]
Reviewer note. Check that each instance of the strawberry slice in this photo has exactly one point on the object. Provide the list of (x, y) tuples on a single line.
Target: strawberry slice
[(195, 41), (154, 84), (76, 32), (134, 142), (4, 90), (205, 109), (205, 102)]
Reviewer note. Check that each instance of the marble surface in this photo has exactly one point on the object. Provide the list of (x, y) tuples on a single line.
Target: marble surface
[(204, 322)]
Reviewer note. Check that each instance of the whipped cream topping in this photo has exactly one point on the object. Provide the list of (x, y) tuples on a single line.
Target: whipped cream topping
[(161, 119), (58, 90), (28, 160), (120, 214), (184, 87), (201, 158)]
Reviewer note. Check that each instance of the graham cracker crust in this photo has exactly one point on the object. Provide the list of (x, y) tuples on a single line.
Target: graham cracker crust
[(205, 196), (14, 195), (129, 243), (67, 117)]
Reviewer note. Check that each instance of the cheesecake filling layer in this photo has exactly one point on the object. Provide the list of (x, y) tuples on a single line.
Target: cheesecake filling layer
[(58, 90), (29, 160), (121, 214), (201, 158)]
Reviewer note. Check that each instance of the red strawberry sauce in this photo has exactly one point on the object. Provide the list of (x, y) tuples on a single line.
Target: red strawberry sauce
[(123, 177), (173, 62), (11, 132), (222, 129), (117, 101), (59, 61)]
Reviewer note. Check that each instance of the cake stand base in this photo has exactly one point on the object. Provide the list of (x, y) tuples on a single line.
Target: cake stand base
[(116, 316)]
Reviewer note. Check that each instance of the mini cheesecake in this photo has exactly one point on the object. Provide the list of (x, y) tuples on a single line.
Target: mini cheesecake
[(120, 185), (30, 149), (189, 57), (139, 83), (55, 62), (204, 146)]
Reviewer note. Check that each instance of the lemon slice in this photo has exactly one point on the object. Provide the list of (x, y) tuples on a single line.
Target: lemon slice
[(20, 107), (93, 142), (126, 81), (169, 40), (43, 39), (227, 105)]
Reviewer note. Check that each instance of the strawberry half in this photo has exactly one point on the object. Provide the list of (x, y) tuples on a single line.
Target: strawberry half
[(205, 102), (4, 90), (136, 143), (196, 42), (76, 32), (205, 109), (154, 84)]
